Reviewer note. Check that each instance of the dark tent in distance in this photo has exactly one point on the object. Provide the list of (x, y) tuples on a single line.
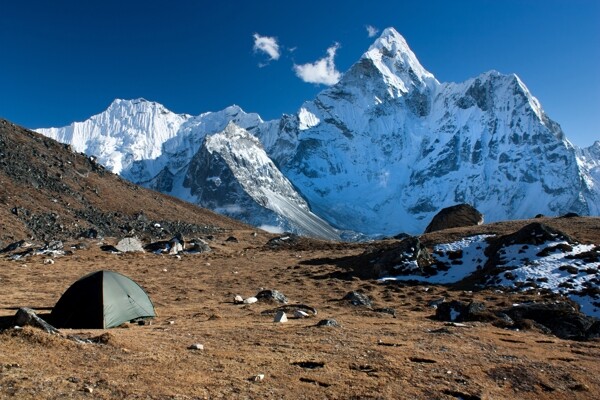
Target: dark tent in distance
[(100, 300)]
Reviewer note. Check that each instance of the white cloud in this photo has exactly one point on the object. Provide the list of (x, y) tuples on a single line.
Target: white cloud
[(321, 71), (267, 45), (371, 30)]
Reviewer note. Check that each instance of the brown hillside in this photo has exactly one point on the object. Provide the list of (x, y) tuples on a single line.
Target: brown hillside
[(49, 192)]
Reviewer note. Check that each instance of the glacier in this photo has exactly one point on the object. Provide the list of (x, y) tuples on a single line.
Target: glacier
[(378, 153)]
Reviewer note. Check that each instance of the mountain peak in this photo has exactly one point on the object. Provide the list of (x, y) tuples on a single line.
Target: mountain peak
[(134, 103), (392, 56), (391, 37)]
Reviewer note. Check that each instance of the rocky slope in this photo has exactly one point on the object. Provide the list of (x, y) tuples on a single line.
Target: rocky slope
[(49, 192), (233, 175), (378, 153)]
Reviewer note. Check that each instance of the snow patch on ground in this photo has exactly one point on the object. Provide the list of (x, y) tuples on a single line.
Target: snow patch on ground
[(557, 266), (560, 271), (472, 258)]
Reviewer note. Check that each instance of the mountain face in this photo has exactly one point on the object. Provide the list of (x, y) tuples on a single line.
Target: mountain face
[(233, 175), (126, 132), (389, 146), (378, 153)]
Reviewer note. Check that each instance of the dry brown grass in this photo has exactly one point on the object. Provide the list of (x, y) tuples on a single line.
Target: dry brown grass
[(372, 355)]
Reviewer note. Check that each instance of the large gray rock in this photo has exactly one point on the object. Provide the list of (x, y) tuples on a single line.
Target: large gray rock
[(26, 316), (455, 217), (130, 244)]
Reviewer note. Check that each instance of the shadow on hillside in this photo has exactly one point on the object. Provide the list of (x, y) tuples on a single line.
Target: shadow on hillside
[(349, 267)]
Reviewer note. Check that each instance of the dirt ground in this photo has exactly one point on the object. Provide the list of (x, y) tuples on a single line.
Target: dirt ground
[(371, 355)]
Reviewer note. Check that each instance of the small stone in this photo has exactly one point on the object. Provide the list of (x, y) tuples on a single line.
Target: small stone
[(258, 378), (48, 261), (456, 324), (328, 322), (88, 389), (436, 302), (250, 300), (300, 314), (272, 295), (280, 317), (358, 299), (196, 346), (238, 299)]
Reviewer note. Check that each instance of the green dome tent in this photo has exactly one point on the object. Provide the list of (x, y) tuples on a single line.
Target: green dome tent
[(100, 300)]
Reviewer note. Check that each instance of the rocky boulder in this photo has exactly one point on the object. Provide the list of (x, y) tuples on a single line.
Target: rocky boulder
[(130, 244), (561, 318), (458, 311), (455, 217), (407, 257), (26, 316)]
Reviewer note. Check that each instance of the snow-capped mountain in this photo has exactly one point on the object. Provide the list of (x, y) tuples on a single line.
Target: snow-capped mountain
[(233, 175), (129, 130), (178, 150), (589, 161), (389, 146), (379, 153)]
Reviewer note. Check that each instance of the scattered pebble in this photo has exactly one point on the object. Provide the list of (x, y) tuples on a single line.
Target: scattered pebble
[(238, 299), (250, 300), (301, 314), (258, 378), (196, 346), (48, 261)]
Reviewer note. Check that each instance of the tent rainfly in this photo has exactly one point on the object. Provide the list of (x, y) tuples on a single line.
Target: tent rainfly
[(101, 300)]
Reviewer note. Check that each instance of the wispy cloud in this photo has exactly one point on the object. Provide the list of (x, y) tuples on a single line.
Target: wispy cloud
[(321, 71), (267, 45), (371, 30)]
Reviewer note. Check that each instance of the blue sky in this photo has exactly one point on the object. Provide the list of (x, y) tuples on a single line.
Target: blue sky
[(63, 61)]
